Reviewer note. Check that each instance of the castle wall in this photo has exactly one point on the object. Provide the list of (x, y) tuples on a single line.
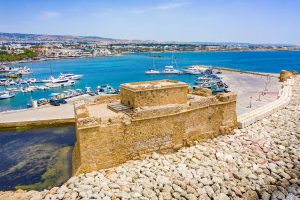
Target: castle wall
[(161, 129), (138, 95)]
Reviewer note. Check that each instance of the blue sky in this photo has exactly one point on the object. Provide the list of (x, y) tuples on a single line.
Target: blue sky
[(256, 21)]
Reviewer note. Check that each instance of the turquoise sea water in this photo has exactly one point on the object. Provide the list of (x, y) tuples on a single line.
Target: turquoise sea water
[(129, 68), (40, 156)]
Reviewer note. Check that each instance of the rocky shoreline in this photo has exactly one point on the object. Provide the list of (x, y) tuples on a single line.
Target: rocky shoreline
[(261, 161)]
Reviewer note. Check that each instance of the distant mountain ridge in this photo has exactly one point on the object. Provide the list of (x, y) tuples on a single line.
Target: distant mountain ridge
[(45, 37)]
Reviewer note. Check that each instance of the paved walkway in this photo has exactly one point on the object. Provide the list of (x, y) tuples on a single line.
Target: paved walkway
[(39, 116), (45, 115)]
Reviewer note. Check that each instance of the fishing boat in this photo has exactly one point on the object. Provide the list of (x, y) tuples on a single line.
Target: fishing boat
[(89, 91), (105, 89), (72, 93), (79, 92), (218, 87), (6, 95), (171, 70), (66, 94), (210, 82)]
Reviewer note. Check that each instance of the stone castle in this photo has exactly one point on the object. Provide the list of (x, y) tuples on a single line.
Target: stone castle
[(156, 116)]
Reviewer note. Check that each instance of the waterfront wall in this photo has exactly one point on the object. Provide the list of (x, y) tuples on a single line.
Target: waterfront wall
[(284, 97), (103, 143)]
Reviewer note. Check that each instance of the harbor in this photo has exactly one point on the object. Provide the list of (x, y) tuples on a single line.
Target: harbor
[(127, 68), (253, 91), (15, 84)]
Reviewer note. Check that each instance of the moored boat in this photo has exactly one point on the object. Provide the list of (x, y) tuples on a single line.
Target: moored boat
[(62, 83), (13, 89), (71, 76), (105, 89), (171, 70), (23, 70), (152, 71), (6, 95), (193, 70), (4, 68)]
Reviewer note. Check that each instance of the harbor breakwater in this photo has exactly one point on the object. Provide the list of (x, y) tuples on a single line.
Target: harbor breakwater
[(257, 162)]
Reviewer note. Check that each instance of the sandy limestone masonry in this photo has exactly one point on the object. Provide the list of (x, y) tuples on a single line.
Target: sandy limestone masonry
[(163, 117)]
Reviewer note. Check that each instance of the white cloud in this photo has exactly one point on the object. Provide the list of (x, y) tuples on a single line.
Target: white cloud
[(169, 6), (50, 15)]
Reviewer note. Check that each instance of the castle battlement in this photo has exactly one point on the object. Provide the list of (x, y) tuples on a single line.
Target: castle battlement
[(146, 117)]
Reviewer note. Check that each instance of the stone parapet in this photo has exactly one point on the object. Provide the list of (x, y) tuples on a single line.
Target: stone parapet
[(285, 75), (153, 93)]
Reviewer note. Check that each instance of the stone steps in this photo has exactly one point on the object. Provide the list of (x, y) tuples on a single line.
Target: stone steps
[(118, 107)]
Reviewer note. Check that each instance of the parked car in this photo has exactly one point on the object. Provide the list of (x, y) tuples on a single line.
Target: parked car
[(54, 102), (61, 101)]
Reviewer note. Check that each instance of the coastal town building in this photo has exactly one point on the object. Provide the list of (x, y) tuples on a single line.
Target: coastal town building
[(156, 116)]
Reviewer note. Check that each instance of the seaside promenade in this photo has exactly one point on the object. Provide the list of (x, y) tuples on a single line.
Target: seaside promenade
[(40, 116), (47, 115)]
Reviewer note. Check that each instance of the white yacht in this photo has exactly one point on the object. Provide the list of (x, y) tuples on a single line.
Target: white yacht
[(6, 95), (171, 70), (71, 76), (59, 82), (152, 71)]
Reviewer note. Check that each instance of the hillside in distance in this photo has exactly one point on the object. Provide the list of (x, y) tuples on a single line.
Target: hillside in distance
[(43, 37)]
